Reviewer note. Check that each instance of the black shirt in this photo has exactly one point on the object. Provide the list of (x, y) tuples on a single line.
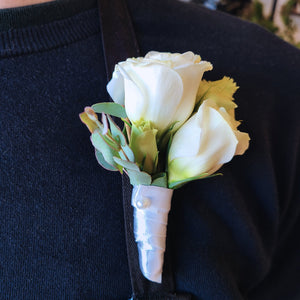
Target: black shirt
[(61, 217)]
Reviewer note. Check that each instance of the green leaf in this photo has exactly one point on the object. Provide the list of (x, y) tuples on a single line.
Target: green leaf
[(163, 140), (100, 144), (91, 125), (103, 162), (114, 144), (143, 145), (116, 131), (126, 164), (160, 180), (177, 184), (169, 143), (139, 178), (110, 108), (142, 164), (129, 153), (126, 122)]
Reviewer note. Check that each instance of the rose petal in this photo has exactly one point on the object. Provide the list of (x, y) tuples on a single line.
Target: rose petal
[(159, 93), (217, 145), (115, 88)]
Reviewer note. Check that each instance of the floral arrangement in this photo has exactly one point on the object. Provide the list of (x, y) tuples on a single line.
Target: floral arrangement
[(177, 128)]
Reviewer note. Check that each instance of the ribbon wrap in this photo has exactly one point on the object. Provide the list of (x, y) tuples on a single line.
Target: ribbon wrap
[(151, 208)]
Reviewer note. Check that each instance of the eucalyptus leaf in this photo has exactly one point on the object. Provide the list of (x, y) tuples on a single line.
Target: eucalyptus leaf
[(113, 143), (116, 131), (126, 164), (107, 151), (103, 162), (122, 155), (110, 108), (139, 178), (129, 153), (91, 125)]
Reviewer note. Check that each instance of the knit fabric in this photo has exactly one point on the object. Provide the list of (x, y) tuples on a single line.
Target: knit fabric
[(40, 14), (62, 232)]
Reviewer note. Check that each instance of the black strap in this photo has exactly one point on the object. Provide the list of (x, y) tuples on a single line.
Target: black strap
[(118, 36), (119, 43)]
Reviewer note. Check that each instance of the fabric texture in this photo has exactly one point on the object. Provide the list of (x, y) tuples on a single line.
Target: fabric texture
[(40, 14), (62, 232)]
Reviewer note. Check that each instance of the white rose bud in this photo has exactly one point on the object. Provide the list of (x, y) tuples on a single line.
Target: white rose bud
[(160, 88), (204, 143)]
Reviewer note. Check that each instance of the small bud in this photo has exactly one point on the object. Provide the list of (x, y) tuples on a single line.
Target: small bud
[(91, 114)]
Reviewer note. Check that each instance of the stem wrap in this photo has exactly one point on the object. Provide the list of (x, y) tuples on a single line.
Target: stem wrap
[(151, 208)]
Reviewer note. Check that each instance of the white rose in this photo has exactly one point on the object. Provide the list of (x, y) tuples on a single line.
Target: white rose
[(160, 88), (204, 143)]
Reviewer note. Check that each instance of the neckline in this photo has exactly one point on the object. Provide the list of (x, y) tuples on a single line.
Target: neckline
[(36, 34), (39, 14)]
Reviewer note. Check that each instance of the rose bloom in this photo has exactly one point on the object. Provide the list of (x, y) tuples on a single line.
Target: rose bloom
[(160, 87), (204, 143)]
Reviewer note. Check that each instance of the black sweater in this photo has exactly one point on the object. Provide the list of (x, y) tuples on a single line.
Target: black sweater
[(61, 219)]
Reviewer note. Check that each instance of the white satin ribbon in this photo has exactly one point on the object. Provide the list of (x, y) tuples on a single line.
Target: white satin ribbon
[(151, 207)]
